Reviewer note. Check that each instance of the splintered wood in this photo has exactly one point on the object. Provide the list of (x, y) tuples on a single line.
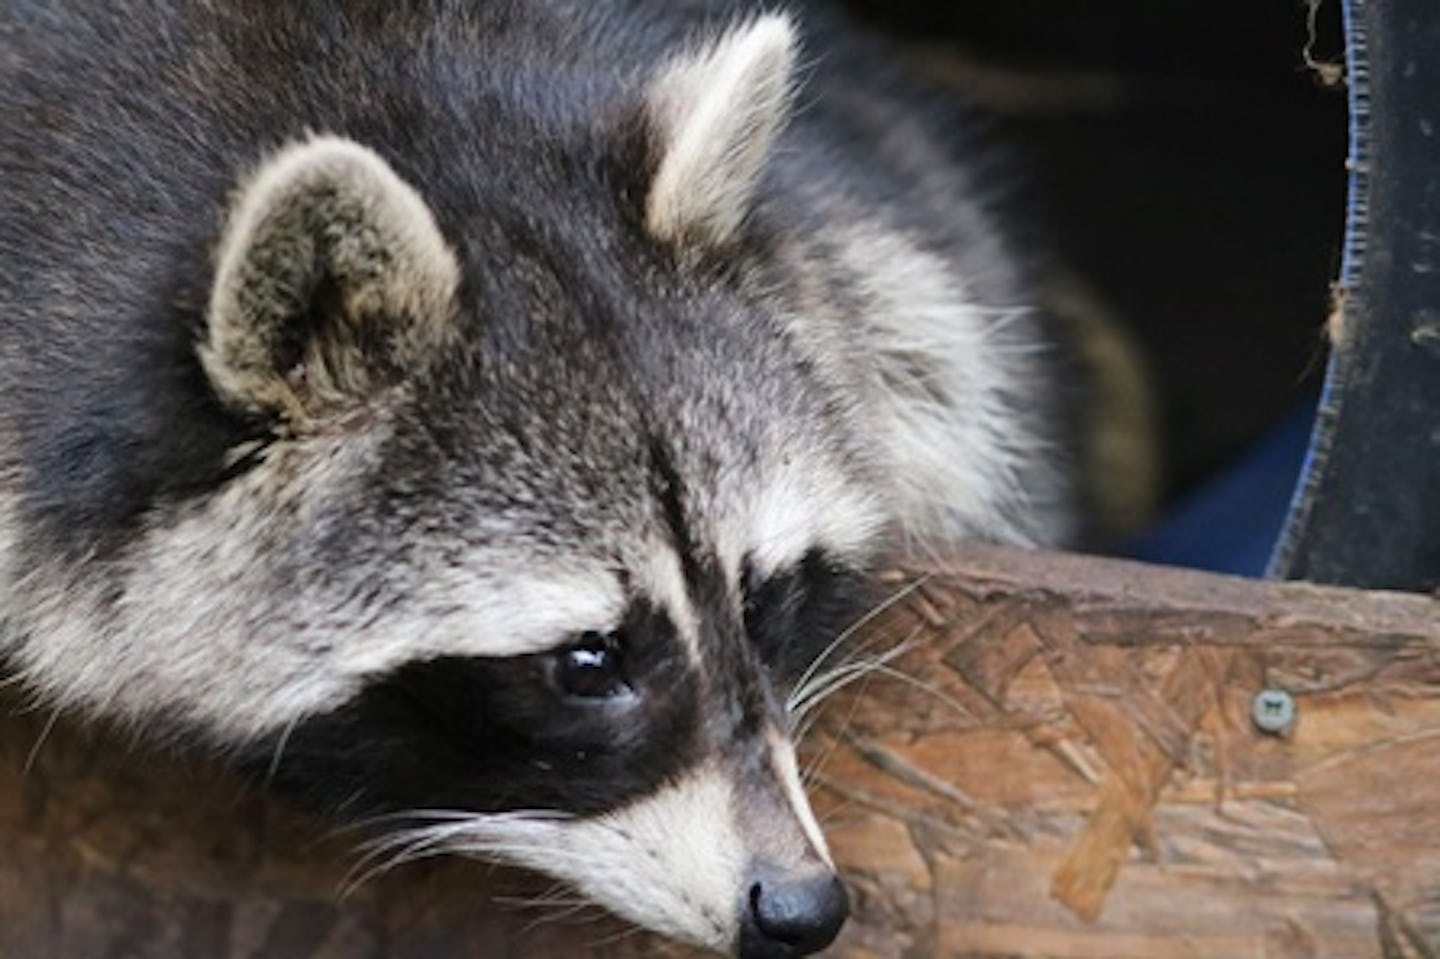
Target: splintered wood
[(1070, 759), (1052, 756)]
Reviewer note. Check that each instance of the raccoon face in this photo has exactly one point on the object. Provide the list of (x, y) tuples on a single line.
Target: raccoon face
[(527, 530), (648, 764), (513, 488), (525, 542)]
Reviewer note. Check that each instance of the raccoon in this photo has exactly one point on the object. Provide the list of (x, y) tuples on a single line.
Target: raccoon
[(481, 414)]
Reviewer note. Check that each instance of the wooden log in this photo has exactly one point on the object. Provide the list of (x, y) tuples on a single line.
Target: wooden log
[(1051, 756)]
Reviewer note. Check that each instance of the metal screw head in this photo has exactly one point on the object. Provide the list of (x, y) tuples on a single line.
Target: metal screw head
[(1273, 711)]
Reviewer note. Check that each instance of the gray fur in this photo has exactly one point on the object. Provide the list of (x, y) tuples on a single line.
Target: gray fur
[(338, 337)]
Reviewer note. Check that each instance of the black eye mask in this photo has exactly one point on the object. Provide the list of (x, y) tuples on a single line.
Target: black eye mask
[(793, 615), (560, 730)]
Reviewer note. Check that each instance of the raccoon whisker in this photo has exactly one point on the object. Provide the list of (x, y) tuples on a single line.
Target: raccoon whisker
[(353, 882), (928, 688), (630, 931), (882, 666), (566, 911), (359, 875), (416, 838), (350, 828), (381, 858), (875, 648), (803, 717), (504, 835), (462, 827), (557, 888), (559, 894), (545, 902), (448, 815), (456, 832), (864, 677), (425, 818), (524, 853), (833, 680), (808, 774), (885, 669), (366, 824), (896, 596), (546, 850), (888, 671), (879, 608), (280, 745), (45, 732), (801, 699), (843, 806), (397, 825)]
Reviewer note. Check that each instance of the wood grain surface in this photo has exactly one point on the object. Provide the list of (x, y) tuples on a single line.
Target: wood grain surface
[(1047, 755)]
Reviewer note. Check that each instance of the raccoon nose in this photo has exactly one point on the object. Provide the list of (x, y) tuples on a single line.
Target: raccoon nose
[(793, 916)]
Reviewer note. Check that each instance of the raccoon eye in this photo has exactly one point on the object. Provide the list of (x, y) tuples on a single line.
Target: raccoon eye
[(591, 668)]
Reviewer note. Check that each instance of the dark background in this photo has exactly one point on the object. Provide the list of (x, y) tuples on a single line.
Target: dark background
[(1186, 163)]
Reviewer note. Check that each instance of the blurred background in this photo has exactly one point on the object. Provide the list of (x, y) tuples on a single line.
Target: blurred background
[(1185, 162)]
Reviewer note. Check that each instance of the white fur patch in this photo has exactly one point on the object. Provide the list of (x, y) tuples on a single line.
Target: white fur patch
[(678, 861), (941, 374), (717, 111), (798, 506), (662, 579), (787, 772), (674, 862)]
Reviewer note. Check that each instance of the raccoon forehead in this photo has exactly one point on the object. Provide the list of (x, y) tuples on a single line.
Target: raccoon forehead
[(525, 610), (766, 509), (803, 508)]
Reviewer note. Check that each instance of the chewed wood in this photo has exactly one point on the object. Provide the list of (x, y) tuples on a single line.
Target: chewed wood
[(1059, 762)]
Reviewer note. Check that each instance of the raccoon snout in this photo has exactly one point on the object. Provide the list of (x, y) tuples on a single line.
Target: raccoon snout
[(792, 915)]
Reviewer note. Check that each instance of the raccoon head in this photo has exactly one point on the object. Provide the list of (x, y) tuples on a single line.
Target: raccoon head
[(538, 517)]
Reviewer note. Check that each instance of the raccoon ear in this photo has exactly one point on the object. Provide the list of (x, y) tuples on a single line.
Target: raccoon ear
[(331, 279), (715, 112)]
